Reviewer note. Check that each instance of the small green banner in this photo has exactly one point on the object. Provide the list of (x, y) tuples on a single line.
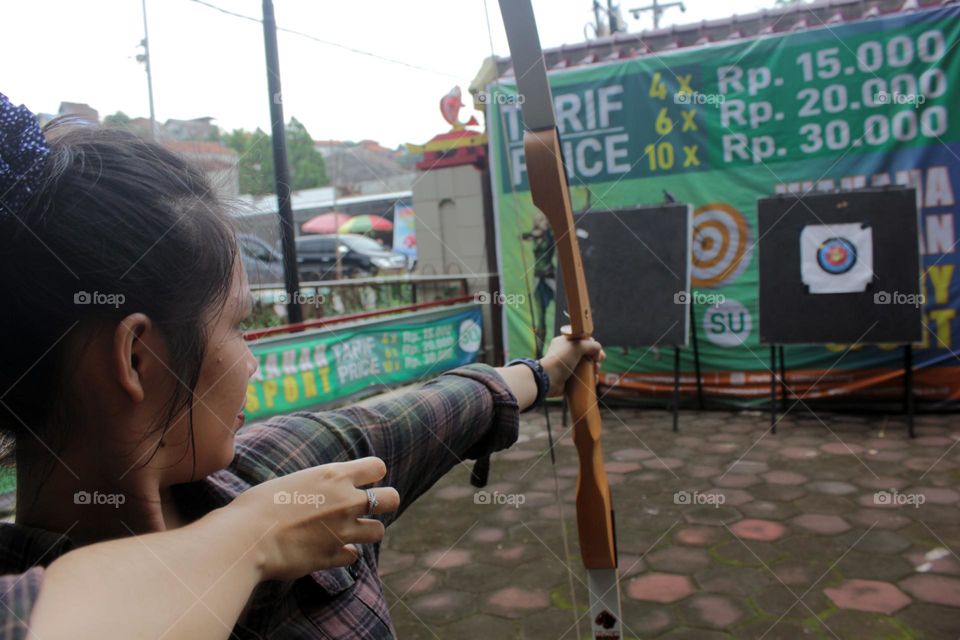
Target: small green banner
[(318, 367)]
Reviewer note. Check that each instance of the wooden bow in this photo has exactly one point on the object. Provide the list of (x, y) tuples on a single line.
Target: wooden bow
[(549, 189)]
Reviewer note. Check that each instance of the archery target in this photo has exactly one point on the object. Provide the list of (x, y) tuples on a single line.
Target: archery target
[(721, 245), (836, 256), (829, 264)]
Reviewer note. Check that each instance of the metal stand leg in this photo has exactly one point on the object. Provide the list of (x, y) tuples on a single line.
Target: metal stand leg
[(908, 386), (773, 389), (676, 389), (696, 356), (783, 382)]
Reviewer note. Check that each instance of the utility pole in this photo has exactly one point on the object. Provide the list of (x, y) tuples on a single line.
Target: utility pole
[(598, 25), (657, 8), (614, 22), (280, 168), (145, 58)]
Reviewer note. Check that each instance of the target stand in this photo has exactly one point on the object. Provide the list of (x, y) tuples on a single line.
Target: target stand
[(840, 268), (636, 262)]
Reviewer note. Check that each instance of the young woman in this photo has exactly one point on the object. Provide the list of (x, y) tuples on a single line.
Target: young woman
[(124, 375)]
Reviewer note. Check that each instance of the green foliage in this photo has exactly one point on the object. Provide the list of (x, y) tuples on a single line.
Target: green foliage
[(307, 168), (117, 119)]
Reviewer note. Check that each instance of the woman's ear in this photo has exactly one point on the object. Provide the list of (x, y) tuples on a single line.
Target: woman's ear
[(131, 356)]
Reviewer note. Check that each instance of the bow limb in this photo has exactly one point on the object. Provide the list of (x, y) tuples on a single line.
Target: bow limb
[(595, 519), (549, 190)]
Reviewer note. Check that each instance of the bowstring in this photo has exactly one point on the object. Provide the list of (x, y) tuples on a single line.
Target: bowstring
[(539, 338)]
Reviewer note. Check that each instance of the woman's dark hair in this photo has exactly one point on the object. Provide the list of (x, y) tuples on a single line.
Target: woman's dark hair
[(120, 225)]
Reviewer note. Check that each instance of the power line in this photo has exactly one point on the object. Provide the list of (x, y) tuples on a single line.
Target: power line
[(330, 43)]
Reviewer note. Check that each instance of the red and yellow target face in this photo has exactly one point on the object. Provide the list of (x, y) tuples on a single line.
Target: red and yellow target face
[(721, 245)]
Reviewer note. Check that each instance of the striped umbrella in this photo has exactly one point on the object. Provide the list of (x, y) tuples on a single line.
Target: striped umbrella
[(325, 222), (364, 224)]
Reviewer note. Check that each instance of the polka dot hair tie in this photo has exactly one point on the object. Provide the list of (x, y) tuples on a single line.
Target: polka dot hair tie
[(23, 150)]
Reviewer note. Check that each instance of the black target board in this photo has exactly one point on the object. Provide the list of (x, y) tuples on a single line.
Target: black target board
[(840, 268), (637, 265)]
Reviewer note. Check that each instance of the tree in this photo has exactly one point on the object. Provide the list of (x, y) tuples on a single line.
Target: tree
[(256, 159), (307, 168), (118, 119)]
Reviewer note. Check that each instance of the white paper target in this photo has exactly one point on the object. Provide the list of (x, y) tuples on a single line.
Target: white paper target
[(836, 258)]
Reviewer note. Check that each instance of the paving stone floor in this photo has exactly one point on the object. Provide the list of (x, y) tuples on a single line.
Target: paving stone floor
[(839, 526)]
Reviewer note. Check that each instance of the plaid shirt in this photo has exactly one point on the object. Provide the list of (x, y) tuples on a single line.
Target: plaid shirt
[(420, 434)]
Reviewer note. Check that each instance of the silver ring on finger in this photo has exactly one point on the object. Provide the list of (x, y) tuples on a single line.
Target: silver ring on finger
[(372, 502)]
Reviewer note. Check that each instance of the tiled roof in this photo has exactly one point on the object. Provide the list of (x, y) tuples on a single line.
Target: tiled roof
[(786, 19), (198, 147)]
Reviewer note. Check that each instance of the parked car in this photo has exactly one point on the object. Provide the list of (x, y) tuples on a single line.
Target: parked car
[(263, 263), (360, 257)]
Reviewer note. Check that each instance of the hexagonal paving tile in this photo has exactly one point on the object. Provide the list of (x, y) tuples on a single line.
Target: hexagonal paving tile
[(842, 448), (749, 467), (735, 481), (446, 558), (710, 610), (823, 524), (933, 588), (777, 492), (798, 453), (766, 510), (698, 536), (881, 483), (706, 514), (876, 541), (939, 495), (514, 602), (879, 518), (679, 560), (444, 606), (761, 530), (646, 619), (662, 464), (731, 497), (660, 587), (785, 477), (832, 487), (413, 583), (868, 595)]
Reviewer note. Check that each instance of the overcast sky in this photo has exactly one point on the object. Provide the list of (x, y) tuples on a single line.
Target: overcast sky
[(207, 63)]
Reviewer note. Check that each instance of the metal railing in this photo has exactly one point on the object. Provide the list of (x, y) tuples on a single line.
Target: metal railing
[(334, 298)]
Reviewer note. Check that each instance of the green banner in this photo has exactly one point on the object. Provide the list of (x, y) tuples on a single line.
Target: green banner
[(837, 107), (318, 367)]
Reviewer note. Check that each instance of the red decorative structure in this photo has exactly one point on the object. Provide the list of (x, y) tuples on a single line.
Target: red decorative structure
[(459, 146)]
